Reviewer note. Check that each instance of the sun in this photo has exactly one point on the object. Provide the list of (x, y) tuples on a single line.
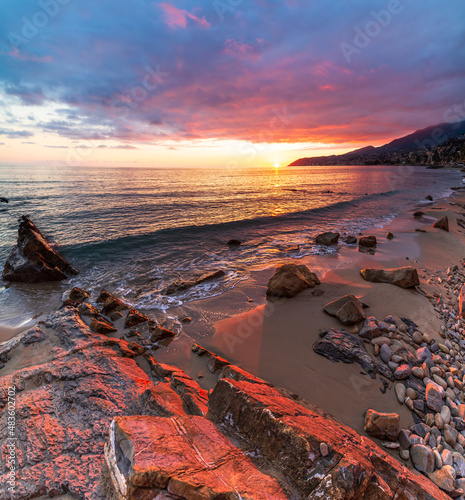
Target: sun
[(276, 165)]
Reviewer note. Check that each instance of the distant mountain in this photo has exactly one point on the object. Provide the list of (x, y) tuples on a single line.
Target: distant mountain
[(420, 141)]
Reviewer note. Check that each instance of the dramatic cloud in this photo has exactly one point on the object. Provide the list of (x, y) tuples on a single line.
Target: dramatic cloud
[(267, 71)]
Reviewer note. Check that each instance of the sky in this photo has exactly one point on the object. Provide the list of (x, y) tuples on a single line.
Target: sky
[(222, 82)]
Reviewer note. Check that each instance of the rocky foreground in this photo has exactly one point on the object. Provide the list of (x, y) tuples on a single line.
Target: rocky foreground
[(97, 417)]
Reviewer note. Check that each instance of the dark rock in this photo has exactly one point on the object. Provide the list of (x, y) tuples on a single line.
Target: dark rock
[(161, 334), (402, 372), (429, 198), (389, 236), (234, 243), (418, 214), (422, 458), (327, 239), (434, 396), (78, 294), (214, 362), (289, 280), (180, 286), (134, 318), (350, 240), (101, 325), (338, 345), (369, 330), (112, 304), (33, 260), (318, 292), (348, 310), (382, 425), (442, 223), (88, 310), (367, 241), (104, 296), (404, 277)]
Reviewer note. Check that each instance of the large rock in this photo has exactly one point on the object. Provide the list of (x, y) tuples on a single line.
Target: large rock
[(444, 478), (327, 239), (442, 223), (434, 396), (289, 280), (339, 345), (367, 241), (186, 456), (404, 277), (348, 310), (33, 260), (382, 425), (290, 437), (422, 458)]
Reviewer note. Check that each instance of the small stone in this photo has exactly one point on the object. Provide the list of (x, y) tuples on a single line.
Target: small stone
[(417, 337), (418, 372), (446, 457), (402, 372), (324, 449), (445, 414), (411, 393), (434, 396), (115, 315), (404, 454), (437, 459), (385, 353), (439, 421), (389, 235), (400, 393), (404, 439)]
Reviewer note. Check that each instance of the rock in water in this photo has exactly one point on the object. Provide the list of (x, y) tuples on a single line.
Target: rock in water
[(327, 239), (338, 345), (348, 310), (405, 277), (442, 223), (382, 425), (367, 241), (33, 260), (289, 280)]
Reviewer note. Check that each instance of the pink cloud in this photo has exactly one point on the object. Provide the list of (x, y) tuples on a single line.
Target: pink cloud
[(24, 56), (177, 18), (240, 49)]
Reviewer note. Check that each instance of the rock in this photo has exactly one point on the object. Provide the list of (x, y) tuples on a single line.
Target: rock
[(445, 414), (327, 239), (442, 223), (185, 319), (423, 354), (318, 292), (417, 337), (439, 421), (183, 285), (338, 345), (444, 478), (161, 334), (459, 464), (186, 456), (402, 372), (88, 310), (348, 310), (404, 454), (385, 353), (450, 435), (289, 280), (382, 425), (389, 236), (410, 393), (429, 198), (234, 243), (32, 259), (367, 241), (112, 304), (400, 393), (404, 439), (115, 316), (422, 458), (369, 330), (289, 436), (103, 326), (434, 396), (350, 240), (134, 318), (418, 214), (404, 277), (324, 449), (78, 294), (462, 302), (214, 362)]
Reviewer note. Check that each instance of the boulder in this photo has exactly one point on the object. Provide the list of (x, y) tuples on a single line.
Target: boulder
[(161, 334), (348, 310), (389, 236), (350, 240), (33, 260), (404, 277), (339, 345), (289, 280), (367, 241), (327, 239), (382, 425), (102, 325), (442, 223), (369, 330), (444, 478)]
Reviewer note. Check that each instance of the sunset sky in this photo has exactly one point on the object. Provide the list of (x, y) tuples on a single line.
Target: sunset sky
[(222, 82)]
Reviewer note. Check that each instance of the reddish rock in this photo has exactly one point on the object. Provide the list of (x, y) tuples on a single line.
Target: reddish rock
[(112, 304), (187, 457), (290, 437), (134, 318), (161, 334), (101, 325), (382, 425), (214, 361), (88, 310), (404, 277), (33, 260), (289, 280), (462, 302)]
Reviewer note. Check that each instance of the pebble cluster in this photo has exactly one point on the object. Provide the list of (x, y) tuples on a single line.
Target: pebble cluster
[(430, 379)]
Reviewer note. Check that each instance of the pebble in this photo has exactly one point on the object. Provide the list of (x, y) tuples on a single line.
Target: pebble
[(417, 337), (400, 393), (445, 414), (385, 353), (418, 372), (438, 421), (411, 393), (324, 449)]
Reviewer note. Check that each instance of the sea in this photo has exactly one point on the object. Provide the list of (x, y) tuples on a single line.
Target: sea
[(134, 231)]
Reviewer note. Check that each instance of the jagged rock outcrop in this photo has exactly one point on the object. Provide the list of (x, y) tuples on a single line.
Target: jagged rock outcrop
[(289, 280), (404, 277), (442, 223), (348, 310), (33, 260)]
